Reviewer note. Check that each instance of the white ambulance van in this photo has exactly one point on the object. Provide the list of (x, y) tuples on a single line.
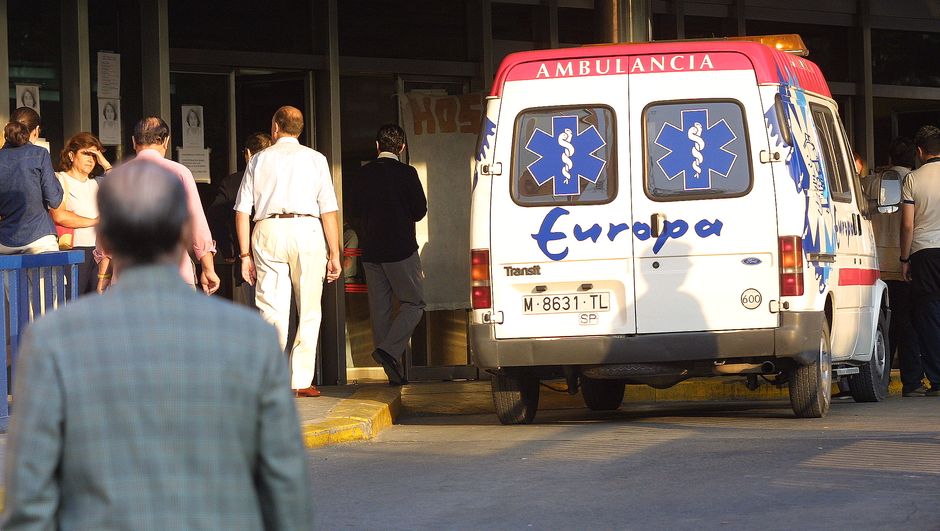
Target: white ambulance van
[(648, 213)]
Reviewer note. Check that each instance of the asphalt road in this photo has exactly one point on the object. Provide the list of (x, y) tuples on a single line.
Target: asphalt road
[(666, 466)]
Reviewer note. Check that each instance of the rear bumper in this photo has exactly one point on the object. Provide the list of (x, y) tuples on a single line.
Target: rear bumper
[(796, 338)]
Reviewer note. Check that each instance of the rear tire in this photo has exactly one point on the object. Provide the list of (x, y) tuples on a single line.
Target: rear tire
[(811, 385), (516, 397), (602, 395), (871, 382)]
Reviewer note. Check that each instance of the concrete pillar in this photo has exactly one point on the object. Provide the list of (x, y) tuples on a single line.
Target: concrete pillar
[(678, 9), (740, 18), (866, 120), (486, 43), (551, 12), (4, 67), (328, 141), (76, 68), (626, 20), (155, 58)]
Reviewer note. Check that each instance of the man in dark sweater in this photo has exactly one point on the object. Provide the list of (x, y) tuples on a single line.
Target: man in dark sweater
[(389, 201), (222, 223)]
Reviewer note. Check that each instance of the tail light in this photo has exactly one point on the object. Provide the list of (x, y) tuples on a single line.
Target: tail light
[(791, 266), (480, 279)]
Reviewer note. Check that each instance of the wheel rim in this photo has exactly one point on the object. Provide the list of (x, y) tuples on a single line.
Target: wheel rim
[(880, 357), (825, 374)]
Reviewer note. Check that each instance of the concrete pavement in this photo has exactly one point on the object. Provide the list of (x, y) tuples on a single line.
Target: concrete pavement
[(669, 465)]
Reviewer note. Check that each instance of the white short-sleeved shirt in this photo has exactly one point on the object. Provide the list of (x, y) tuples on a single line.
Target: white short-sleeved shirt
[(287, 178), (922, 189), (81, 198)]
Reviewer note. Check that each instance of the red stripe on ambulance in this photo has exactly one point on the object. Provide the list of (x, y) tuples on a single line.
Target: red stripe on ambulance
[(643, 64), (852, 276)]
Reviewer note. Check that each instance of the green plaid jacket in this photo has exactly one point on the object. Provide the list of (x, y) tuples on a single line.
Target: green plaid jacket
[(154, 407)]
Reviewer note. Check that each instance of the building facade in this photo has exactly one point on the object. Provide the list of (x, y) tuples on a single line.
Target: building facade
[(101, 65)]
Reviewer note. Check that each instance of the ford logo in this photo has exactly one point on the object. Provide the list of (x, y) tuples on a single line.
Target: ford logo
[(751, 260)]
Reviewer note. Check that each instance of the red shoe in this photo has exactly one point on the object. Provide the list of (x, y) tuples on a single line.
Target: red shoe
[(308, 392)]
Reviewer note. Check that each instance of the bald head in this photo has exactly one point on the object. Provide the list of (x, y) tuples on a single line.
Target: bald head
[(142, 212), (289, 121), (151, 131)]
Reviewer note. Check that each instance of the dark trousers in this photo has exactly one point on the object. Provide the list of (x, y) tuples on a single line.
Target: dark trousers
[(927, 323), (87, 272), (388, 281), (902, 335)]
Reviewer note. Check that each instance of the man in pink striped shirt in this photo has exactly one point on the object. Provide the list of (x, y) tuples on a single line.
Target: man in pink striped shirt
[(151, 141)]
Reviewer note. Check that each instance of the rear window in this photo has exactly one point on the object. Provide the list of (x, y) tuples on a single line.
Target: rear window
[(696, 150), (564, 155)]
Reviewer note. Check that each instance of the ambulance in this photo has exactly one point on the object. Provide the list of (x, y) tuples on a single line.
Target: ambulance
[(647, 213)]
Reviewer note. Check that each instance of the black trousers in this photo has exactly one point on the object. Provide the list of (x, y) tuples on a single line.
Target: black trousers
[(87, 271), (925, 293), (903, 336)]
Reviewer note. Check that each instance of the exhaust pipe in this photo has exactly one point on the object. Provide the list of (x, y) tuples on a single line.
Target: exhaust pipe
[(766, 367)]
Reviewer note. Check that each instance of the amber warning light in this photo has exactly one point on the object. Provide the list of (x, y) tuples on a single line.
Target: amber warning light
[(790, 42)]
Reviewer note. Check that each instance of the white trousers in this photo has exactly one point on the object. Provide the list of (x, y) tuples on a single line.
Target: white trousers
[(290, 254), (46, 244)]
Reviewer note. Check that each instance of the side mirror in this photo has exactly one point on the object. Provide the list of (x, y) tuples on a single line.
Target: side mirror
[(889, 191)]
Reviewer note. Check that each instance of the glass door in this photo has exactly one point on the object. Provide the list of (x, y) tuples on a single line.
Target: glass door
[(258, 94)]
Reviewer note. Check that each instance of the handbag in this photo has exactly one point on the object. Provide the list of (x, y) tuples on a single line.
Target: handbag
[(64, 234)]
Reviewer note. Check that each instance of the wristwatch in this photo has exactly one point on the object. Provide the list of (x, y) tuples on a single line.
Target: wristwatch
[(904, 260), (244, 255)]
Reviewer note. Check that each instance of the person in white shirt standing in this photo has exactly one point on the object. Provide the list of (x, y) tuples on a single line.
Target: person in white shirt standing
[(295, 242), (79, 210)]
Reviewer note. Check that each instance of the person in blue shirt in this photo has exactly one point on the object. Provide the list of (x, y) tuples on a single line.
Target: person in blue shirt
[(28, 189)]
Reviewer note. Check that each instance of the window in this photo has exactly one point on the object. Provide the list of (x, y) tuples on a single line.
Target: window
[(36, 65), (905, 57), (564, 156), (695, 150), (832, 155)]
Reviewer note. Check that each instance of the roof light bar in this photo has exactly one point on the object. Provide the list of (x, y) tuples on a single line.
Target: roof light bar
[(790, 42)]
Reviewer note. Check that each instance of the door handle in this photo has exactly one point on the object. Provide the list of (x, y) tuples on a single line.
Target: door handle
[(657, 222)]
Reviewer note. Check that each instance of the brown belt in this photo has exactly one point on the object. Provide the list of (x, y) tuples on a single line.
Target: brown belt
[(288, 216)]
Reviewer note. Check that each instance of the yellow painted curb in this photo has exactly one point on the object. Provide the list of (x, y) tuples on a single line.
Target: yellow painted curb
[(360, 417), (700, 390), (724, 389)]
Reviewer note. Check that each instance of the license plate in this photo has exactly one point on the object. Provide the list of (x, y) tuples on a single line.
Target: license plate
[(566, 303)]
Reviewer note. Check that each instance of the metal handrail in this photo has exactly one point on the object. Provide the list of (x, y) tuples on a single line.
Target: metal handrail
[(31, 285)]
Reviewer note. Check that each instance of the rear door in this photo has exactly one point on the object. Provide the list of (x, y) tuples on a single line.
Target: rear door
[(561, 246), (705, 252)]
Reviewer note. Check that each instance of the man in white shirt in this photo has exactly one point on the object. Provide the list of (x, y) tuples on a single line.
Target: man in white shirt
[(295, 242), (920, 251)]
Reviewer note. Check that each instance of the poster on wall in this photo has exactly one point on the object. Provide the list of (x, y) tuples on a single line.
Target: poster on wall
[(197, 160), (109, 75), (109, 121), (28, 96), (441, 132), (193, 132)]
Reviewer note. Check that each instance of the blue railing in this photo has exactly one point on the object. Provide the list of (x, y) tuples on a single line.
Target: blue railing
[(31, 285)]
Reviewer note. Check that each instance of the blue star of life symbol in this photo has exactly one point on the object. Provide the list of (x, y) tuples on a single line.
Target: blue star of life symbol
[(696, 150), (566, 155)]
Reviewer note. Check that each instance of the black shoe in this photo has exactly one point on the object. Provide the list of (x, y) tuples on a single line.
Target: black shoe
[(920, 391), (392, 367)]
